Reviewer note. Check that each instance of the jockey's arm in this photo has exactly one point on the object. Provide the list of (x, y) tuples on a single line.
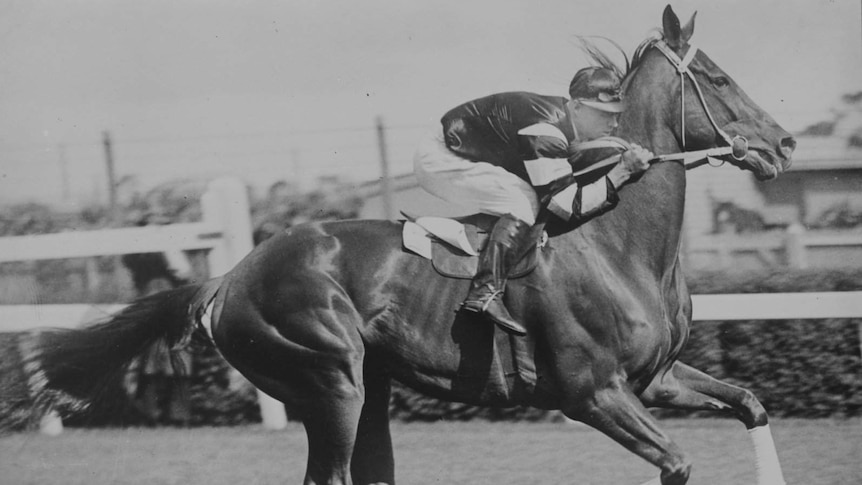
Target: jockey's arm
[(550, 172), (574, 202), (544, 149), (577, 203)]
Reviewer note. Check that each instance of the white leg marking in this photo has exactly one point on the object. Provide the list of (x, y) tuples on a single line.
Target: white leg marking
[(766, 457)]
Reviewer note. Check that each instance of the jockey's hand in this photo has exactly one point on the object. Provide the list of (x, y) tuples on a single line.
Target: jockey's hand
[(634, 161)]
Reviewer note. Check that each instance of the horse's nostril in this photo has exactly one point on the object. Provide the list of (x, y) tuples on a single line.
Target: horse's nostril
[(787, 145)]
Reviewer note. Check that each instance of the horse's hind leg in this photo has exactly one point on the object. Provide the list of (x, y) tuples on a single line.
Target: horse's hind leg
[(330, 425), (683, 387), (617, 412), (310, 357), (373, 461), (329, 406), (327, 401)]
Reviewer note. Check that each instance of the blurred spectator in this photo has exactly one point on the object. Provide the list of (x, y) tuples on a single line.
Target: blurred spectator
[(728, 217), (283, 206), (164, 374), (842, 215)]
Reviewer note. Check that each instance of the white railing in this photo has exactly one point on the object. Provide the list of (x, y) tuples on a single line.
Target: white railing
[(226, 231), (796, 246), (777, 306), (749, 306)]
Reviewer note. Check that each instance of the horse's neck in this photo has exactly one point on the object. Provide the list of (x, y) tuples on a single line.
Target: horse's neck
[(647, 224)]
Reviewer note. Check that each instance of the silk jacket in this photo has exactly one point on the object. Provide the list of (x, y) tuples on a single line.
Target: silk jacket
[(532, 136)]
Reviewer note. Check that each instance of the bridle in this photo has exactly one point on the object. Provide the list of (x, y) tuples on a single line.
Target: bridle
[(737, 145)]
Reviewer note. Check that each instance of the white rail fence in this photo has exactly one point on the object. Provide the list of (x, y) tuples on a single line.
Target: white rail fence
[(226, 231), (794, 247), (749, 306)]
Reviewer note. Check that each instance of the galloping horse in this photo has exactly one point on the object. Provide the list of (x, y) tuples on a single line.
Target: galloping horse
[(325, 315)]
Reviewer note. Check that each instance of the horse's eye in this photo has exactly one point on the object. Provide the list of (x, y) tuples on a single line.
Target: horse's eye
[(721, 82)]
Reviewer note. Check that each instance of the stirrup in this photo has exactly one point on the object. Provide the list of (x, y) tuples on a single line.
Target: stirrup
[(499, 315), (481, 304)]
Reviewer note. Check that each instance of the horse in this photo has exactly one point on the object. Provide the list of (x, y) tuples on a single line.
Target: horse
[(326, 315)]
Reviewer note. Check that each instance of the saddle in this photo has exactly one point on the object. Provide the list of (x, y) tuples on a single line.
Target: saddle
[(453, 244)]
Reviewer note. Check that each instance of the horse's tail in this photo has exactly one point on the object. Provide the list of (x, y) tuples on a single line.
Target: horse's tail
[(67, 368)]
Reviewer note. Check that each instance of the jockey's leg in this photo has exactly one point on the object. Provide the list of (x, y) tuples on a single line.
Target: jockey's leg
[(488, 189), (500, 253)]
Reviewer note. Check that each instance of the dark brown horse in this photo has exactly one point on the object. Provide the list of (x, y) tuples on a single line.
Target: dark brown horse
[(324, 316)]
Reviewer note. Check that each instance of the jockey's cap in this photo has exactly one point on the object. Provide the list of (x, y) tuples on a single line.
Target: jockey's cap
[(599, 88)]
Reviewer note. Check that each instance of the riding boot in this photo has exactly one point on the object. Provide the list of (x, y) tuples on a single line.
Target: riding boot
[(495, 261)]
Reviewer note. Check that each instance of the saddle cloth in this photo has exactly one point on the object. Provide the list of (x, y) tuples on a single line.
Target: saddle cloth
[(453, 245)]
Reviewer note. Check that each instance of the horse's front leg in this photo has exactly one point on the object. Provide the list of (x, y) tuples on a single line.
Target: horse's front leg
[(615, 411), (684, 387)]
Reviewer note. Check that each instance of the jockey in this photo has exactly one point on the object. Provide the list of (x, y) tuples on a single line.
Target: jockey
[(498, 154)]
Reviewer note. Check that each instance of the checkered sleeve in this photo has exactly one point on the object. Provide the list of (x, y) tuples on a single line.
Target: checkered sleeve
[(577, 203), (544, 150)]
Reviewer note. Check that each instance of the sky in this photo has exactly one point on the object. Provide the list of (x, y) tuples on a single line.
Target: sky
[(291, 90)]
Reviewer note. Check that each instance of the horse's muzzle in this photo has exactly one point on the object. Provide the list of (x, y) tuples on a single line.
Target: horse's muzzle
[(785, 148)]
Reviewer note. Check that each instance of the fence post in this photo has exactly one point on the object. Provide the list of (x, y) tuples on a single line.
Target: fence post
[(723, 250), (226, 204), (794, 247), (51, 424)]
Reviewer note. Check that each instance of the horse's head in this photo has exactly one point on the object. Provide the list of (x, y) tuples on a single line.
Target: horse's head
[(705, 107)]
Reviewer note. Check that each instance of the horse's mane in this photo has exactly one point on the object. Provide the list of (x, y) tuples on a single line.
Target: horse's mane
[(598, 57), (644, 46)]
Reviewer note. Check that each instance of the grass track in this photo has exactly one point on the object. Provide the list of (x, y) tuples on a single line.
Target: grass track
[(812, 451)]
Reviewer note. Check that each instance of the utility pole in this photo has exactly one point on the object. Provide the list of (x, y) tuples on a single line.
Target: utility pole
[(112, 178), (296, 164), (385, 181), (64, 172)]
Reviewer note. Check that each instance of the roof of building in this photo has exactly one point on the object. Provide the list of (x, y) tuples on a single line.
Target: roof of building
[(825, 153)]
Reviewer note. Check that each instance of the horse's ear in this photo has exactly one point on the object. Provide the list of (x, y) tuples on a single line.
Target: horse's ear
[(688, 30), (674, 34), (670, 25)]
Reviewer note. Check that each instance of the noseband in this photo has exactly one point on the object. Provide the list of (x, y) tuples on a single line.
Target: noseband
[(737, 145)]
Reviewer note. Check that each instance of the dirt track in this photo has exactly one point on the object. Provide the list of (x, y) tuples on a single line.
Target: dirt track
[(812, 451)]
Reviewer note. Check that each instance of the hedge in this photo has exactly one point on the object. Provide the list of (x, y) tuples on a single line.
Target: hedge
[(797, 368), (805, 368)]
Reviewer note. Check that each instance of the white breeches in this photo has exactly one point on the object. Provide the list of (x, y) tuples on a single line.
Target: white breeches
[(477, 186)]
